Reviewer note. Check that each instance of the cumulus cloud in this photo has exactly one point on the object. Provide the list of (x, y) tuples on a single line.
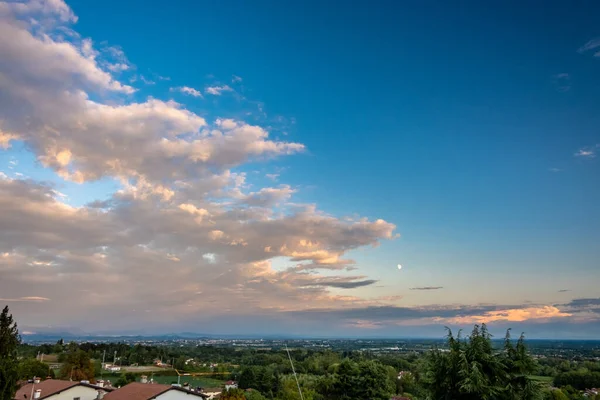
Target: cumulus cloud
[(183, 231)]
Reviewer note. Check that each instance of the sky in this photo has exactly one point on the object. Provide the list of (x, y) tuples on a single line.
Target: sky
[(264, 167)]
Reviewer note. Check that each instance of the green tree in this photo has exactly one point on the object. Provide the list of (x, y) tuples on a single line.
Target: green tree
[(9, 340), (233, 394), (374, 382), (30, 367), (248, 378), (472, 370), (77, 365), (254, 395), (125, 378), (519, 367), (555, 394)]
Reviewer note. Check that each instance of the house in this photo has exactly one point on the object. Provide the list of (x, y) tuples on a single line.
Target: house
[(148, 391), (55, 389), (112, 367), (211, 393), (231, 385)]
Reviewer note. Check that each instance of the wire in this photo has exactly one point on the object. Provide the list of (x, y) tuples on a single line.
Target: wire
[(294, 371)]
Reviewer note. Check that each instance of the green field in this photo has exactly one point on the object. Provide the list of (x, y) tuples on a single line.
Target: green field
[(545, 379)]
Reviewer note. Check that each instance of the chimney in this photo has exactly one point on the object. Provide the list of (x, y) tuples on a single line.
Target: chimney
[(144, 379), (36, 380), (100, 395), (100, 383), (37, 394)]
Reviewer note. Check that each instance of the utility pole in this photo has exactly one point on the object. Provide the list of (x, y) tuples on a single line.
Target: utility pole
[(102, 367)]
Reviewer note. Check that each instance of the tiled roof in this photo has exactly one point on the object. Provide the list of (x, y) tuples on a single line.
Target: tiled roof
[(144, 391), (51, 387), (137, 391), (48, 388)]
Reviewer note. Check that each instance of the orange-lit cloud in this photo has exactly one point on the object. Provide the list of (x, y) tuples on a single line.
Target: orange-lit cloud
[(514, 315)]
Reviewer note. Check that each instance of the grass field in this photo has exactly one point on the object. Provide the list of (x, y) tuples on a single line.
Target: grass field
[(545, 379)]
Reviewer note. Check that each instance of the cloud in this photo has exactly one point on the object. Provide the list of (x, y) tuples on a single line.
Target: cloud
[(427, 288), (516, 315), (218, 90), (187, 90), (272, 177), (185, 230), (586, 152), (562, 82), (28, 298), (236, 79), (147, 81), (591, 45), (181, 223), (554, 169), (564, 290)]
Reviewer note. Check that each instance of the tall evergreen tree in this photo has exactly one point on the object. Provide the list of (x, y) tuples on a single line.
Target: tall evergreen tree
[(9, 340), (472, 370)]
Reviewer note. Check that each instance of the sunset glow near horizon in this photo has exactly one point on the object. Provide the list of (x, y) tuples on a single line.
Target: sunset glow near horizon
[(299, 168)]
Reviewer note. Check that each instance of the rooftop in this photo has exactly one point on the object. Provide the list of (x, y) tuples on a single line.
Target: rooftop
[(50, 387)]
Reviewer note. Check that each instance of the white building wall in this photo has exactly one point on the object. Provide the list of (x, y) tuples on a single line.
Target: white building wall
[(177, 395), (83, 392)]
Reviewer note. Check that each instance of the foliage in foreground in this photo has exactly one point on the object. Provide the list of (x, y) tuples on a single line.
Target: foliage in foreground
[(472, 370), (9, 341)]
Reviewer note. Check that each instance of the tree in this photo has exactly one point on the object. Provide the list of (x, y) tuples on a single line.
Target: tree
[(472, 370), (232, 394), (77, 365), (363, 380), (519, 366), (124, 379), (9, 340), (254, 395), (248, 378), (30, 367)]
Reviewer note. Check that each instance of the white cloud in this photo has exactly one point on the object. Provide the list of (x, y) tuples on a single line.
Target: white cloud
[(182, 222), (147, 81), (236, 79), (591, 45), (187, 90), (218, 90), (587, 152), (118, 67)]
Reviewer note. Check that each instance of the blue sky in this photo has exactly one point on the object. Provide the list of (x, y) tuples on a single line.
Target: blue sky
[(473, 129)]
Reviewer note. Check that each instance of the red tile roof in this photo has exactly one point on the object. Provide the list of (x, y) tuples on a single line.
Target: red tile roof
[(137, 391), (48, 388), (51, 387)]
